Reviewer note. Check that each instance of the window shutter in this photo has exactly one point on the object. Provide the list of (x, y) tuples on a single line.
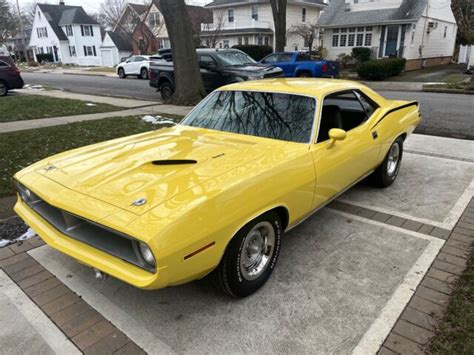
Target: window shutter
[(85, 51), (95, 53), (82, 30), (92, 31)]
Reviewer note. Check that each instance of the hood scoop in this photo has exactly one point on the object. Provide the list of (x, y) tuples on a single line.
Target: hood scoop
[(174, 162)]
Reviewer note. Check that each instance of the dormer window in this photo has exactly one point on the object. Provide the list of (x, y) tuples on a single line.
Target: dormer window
[(230, 15), (87, 31), (154, 19)]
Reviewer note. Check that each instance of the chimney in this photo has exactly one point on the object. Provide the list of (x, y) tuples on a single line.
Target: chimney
[(61, 2)]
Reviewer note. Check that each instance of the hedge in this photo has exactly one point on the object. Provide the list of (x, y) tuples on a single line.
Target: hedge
[(381, 68), (257, 52), (361, 54), (45, 57)]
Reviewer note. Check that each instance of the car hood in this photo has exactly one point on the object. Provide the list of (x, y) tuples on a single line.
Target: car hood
[(154, 167), (254, 69)]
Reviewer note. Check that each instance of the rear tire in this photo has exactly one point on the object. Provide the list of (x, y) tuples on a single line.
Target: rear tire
[(121, 73), (144, 74), (250, 257), (3, 88), (166, 90), (386, 174)]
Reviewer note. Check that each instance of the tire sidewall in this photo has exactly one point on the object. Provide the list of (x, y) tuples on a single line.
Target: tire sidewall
[(393, 177), (144, 74), (121, 73), (240, 286)]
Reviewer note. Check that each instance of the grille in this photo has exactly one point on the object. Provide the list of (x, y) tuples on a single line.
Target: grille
[(85, 231)]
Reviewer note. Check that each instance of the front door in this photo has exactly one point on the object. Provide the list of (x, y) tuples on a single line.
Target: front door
[(391, 44), (211, 78)]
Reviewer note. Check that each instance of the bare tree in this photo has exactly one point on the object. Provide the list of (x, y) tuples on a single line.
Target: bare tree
[(111, 11), (189, 86), (213, 31), (309, 33), (8, 23), (279, 19), (464, 12)]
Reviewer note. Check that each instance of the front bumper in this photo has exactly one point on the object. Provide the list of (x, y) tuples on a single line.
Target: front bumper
[(16, 83)]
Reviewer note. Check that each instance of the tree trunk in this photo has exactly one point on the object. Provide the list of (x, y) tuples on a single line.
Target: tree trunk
[(279, 18), (187, 75)]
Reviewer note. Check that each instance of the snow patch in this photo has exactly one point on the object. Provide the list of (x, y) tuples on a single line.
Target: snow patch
[(33, 87), (90, 104), (157, 120)]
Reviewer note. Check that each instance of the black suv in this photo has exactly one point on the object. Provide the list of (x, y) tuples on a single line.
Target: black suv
[(218, 67), (10, 77)]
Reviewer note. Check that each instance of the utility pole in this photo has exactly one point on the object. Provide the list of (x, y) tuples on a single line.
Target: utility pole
[(22, 31)]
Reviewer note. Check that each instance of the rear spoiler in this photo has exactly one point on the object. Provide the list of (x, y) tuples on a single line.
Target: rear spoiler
[(409, 104)]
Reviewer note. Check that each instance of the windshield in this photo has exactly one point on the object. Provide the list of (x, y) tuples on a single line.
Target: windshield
[(234, 58), (270, 115)]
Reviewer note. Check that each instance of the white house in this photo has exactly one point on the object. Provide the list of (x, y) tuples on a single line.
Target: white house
[(115, 46), (422, 31), (237, 22), (66, 32)]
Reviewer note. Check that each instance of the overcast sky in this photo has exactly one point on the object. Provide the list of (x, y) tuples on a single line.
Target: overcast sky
[(94, 5)]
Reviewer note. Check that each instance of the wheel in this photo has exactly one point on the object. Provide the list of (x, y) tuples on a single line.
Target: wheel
[(3, 88), (387, 172), (304, 75), (250, 257), (144, 74), (166, 90), (121, 73)]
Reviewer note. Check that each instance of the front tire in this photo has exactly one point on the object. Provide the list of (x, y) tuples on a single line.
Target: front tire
[(386, 174), (250, 257), (3, 88), (121, 73)]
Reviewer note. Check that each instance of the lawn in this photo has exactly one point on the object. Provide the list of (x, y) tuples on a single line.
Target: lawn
[(103, 69), (20, 149), (456, 332), (29, 107)]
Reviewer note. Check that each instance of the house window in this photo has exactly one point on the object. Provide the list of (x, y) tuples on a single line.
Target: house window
[(352, 29), (246, 40), (69, 32), (360, 39), (42, 32), (303, 14), (343, 40), (335, 40), (368, 28), (412, 39), (336, 30), (89, 51), (72, 51), (220, 44), (49, 50), (255, 13), (240, 41), (368, 39), (344, 30), (259, 40), (445, 31), (154, 19), (87, 31), (360, 29), (351, 40), (267, 41), (226, 43), (230, 15)]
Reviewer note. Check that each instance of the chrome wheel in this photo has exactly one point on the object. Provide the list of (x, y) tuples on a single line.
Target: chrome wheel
[(393, 159), (257, 250)]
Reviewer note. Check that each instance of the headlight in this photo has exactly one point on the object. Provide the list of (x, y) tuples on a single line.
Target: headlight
[(146, 253)]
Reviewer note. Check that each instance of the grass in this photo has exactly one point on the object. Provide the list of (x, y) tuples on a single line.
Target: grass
[(20, 149), (103, 69), (455, 334), (29, 107)]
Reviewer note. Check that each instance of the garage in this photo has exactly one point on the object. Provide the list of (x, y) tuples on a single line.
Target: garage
[(107, 57)]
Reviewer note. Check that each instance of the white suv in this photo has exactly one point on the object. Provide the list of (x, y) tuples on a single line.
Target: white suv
[(135, 65)]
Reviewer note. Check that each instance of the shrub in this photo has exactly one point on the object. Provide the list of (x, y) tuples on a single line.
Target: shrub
[(344, 59), (33, 64), (46, 57), (361, 54), (380, 69), (257, 52)]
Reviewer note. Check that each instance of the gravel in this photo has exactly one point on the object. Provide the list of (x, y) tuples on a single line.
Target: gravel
[(12, 228)]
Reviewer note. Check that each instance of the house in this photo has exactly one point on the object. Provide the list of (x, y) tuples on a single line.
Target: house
[(16, 45), (422, 31), (237, 22), (67, 33), (115, 46)]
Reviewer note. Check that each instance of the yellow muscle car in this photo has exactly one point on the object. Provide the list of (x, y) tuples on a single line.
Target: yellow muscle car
[(215, 193)]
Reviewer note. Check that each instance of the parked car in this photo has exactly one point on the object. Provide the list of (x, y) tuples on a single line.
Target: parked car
[(214, 194), (218, 67), (10, 77), (136, 65), (298, 64)]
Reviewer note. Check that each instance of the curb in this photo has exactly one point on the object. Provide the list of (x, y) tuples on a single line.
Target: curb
[(449, 91)]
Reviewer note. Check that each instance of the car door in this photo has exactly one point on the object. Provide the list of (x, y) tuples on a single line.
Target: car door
[(211, 77), (137, 65), (285, 62), (340, 164)]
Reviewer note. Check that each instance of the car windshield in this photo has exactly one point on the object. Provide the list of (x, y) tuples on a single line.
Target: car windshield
[(234, 58), (278, 116)]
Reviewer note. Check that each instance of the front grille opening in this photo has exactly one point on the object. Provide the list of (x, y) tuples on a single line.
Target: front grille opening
[(88, 232), (174, 162)]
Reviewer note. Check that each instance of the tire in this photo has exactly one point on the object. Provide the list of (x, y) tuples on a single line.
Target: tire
[(144, 74), (387, 172), (245, 266), (303, 75), (121, 73), (3, 88), (166, 90)]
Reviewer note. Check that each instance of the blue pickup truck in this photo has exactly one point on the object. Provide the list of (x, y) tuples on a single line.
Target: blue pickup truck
[(298, 64)]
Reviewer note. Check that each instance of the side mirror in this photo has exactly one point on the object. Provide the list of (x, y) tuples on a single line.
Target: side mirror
[(335, 135)]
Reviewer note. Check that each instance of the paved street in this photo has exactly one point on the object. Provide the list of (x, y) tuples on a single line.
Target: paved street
[(448, 115)]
